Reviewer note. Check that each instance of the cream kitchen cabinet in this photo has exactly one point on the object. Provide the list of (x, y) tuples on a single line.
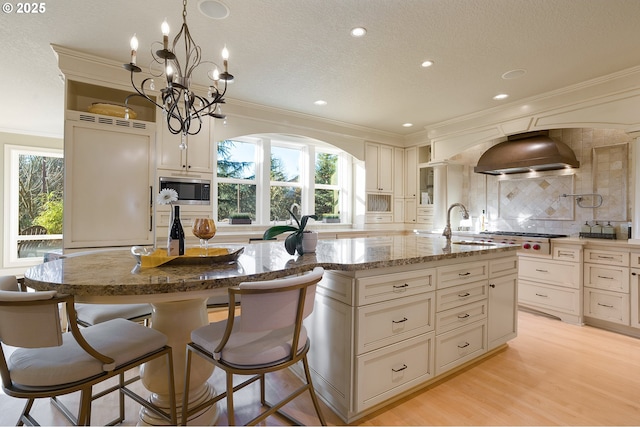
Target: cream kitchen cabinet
[(196, 157), (553, 284), (635, 297), (379, 162), (606, 285), (411, 173), (502, 321), (379, 334), (108, 197)]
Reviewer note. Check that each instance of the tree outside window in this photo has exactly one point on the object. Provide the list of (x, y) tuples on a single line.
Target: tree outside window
[(236, 173), (40, 183), (327, 190), (286, 189)]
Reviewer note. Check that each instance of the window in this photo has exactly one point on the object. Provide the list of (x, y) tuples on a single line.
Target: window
[(286, 182), (266, 177), (236, 179), (34, 181), (327, 189)]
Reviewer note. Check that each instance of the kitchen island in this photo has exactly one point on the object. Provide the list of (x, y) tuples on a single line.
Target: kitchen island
[(381, 299)]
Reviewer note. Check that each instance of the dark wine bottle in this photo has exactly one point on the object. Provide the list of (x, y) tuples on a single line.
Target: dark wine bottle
[(175, 243)]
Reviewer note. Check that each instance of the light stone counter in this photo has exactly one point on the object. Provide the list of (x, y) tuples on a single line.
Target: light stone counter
[(98, 276)]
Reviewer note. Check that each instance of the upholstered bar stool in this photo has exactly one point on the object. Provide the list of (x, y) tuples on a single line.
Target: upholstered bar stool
[(49, 363), (266, 337)]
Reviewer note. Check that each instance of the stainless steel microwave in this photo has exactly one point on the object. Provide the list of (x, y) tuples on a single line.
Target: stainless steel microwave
[(190, 191)]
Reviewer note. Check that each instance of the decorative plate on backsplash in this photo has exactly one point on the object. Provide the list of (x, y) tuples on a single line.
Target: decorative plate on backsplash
[(113, 110)]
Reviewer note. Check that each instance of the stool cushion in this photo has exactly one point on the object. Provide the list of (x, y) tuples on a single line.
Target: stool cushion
[(119, 339), (248, 348), (98, 313)]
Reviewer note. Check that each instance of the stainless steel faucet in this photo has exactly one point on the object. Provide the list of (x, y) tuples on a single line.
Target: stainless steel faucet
[(465, 215)]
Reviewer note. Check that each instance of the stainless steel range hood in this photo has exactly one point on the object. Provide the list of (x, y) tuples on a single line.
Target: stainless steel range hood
[(534, 151)]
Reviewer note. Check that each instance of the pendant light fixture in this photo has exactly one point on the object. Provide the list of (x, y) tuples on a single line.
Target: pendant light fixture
[(183, 110)]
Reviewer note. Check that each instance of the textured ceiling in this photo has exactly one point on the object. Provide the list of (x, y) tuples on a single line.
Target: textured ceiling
[(289, 53)]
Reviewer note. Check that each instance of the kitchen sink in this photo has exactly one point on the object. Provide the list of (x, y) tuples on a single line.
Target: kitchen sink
[(472, 243)]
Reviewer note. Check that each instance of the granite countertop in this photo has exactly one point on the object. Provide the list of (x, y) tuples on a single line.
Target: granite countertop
[(115, 272)]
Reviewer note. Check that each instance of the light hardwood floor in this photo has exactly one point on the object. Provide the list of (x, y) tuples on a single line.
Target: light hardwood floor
[(553, 373)]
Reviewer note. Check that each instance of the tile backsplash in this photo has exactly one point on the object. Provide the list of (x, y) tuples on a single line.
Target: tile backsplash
[(534, 202)]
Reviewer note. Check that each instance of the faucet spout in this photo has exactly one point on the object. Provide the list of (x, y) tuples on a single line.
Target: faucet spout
[(465, 214)]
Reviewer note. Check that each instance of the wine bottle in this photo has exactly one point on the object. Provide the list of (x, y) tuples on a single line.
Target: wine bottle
[(175, 242)]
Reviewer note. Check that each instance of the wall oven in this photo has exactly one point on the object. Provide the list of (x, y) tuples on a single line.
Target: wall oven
[(190, 191)]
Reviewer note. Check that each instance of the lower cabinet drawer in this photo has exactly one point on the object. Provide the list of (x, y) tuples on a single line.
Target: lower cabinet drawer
[(461, 295), (460, 345), (552, 272), (553, 297), (606, 305), (454, 318), (610, 278), (389, 322), (391, 370)]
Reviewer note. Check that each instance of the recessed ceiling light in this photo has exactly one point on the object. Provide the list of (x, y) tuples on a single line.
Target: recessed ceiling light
[(500, 96), (358, 31), (514, 74), (407, 125), (320, 102), (214, 9), (426, 64)]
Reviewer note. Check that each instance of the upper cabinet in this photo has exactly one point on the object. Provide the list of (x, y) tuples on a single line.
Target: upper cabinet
[(196, 157), (411, 172), (425, 176), (379, 168)]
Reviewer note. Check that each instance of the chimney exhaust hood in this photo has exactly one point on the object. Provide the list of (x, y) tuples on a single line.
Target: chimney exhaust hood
[(533, 151)]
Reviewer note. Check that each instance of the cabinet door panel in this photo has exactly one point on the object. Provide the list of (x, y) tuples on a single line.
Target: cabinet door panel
[(107, 200)]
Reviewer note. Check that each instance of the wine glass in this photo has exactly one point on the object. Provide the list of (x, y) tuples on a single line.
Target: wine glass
[(204, 229)]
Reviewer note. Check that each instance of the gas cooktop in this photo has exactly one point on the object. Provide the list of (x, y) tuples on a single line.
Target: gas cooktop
[(522, 234)]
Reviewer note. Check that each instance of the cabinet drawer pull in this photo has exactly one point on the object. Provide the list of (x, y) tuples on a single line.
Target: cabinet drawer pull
[(605, 277), (400, 369), (464, 316), (466, 294), (404, 319), (605, 305), (542, 295), (400, 286), (565, 254), (466, 344), (464, 274), (542, 271), (604, 257)]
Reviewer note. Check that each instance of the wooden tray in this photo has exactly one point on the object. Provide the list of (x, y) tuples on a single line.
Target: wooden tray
[(150, 257)]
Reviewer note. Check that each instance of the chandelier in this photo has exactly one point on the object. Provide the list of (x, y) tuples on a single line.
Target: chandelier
[(182, 109)]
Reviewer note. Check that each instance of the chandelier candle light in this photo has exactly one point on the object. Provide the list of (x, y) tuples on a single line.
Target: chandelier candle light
[(182, 108)]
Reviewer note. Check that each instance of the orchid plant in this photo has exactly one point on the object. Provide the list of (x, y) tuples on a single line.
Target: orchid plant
[(293, 242)]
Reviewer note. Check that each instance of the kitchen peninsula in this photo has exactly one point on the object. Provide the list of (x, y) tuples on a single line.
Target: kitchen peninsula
[(392, 313)]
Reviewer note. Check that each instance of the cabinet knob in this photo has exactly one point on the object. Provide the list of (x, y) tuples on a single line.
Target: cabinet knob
[(492, 285)]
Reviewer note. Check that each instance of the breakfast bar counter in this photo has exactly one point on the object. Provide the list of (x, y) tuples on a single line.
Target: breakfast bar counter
[(109, 275), (394, 286)]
